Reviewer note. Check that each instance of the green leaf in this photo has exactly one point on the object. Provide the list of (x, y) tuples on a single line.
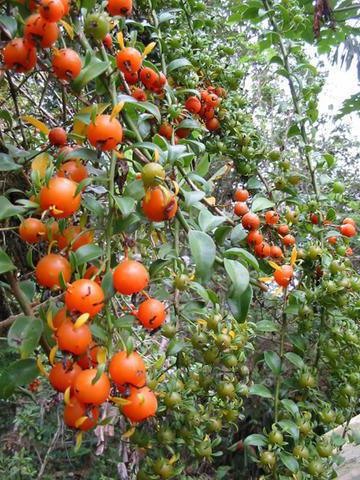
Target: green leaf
[(94, 206), (175, 346), (7, 164), (6, 264), (87, 253), (135, 189), (178, 63), (107, 285), (330, 159), (238, 274), (8, 25), (289, 461), (92, 70), (240, 304), (290, 406), (191, 124), (22, 372), (244, 254), (256, 440), (28, 288), (295, 359), (203, 250), (260, 391), (126, 205), (7, 209), (147, 106), (84, 154), (24, 334), (261, 203), (192, 197), (238, 234), (266, 326), (99, 332), (273, 361), (208, 221), (290, 427)]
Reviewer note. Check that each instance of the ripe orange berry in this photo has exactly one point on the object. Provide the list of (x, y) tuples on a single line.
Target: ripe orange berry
[(66, 4), (130, 277), (127, 369), (158, 84), (73, 340), (105, 133), (288, 240), (332, 240), (89, 358), (241, 195), (166, 130), (255, 237), (73, 238), (283, 229), (271, 217), (241, 209), (39, 32), (142, 404), (159, 204), (349, 252), (62, 375), (148, 76), (129, 60), (108, 41), (139, 94), (349, 220), (90, 272), (213, 124), (57, 136), (32, 230), (74, 170), (208, 113), (348, 230), (262, 250), (151, 313), (19, 55), (314, 219), (87, 392), (52, 10), (193, 104), (75, 410), (119, 7), (250, 221), (212, 100), (283, 277), (60, 317), (49, 268), (183, 132), (84, 296), (60, 194), (276, 252), (66, 64)]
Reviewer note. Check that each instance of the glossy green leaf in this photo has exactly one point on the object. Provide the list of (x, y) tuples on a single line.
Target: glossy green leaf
[(7, 164), (260, 391), (126, 205), (261, 203), (289, 461), (208, 221), (7, 209), (92, 70), (178, 63), (87, 253), (24, 334), (240, 304), (6, 264), (295, 359), (203, 250), (273, 361), (238, 274)]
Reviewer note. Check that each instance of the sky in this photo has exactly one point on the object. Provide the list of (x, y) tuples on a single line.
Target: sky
[(340, 85)]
